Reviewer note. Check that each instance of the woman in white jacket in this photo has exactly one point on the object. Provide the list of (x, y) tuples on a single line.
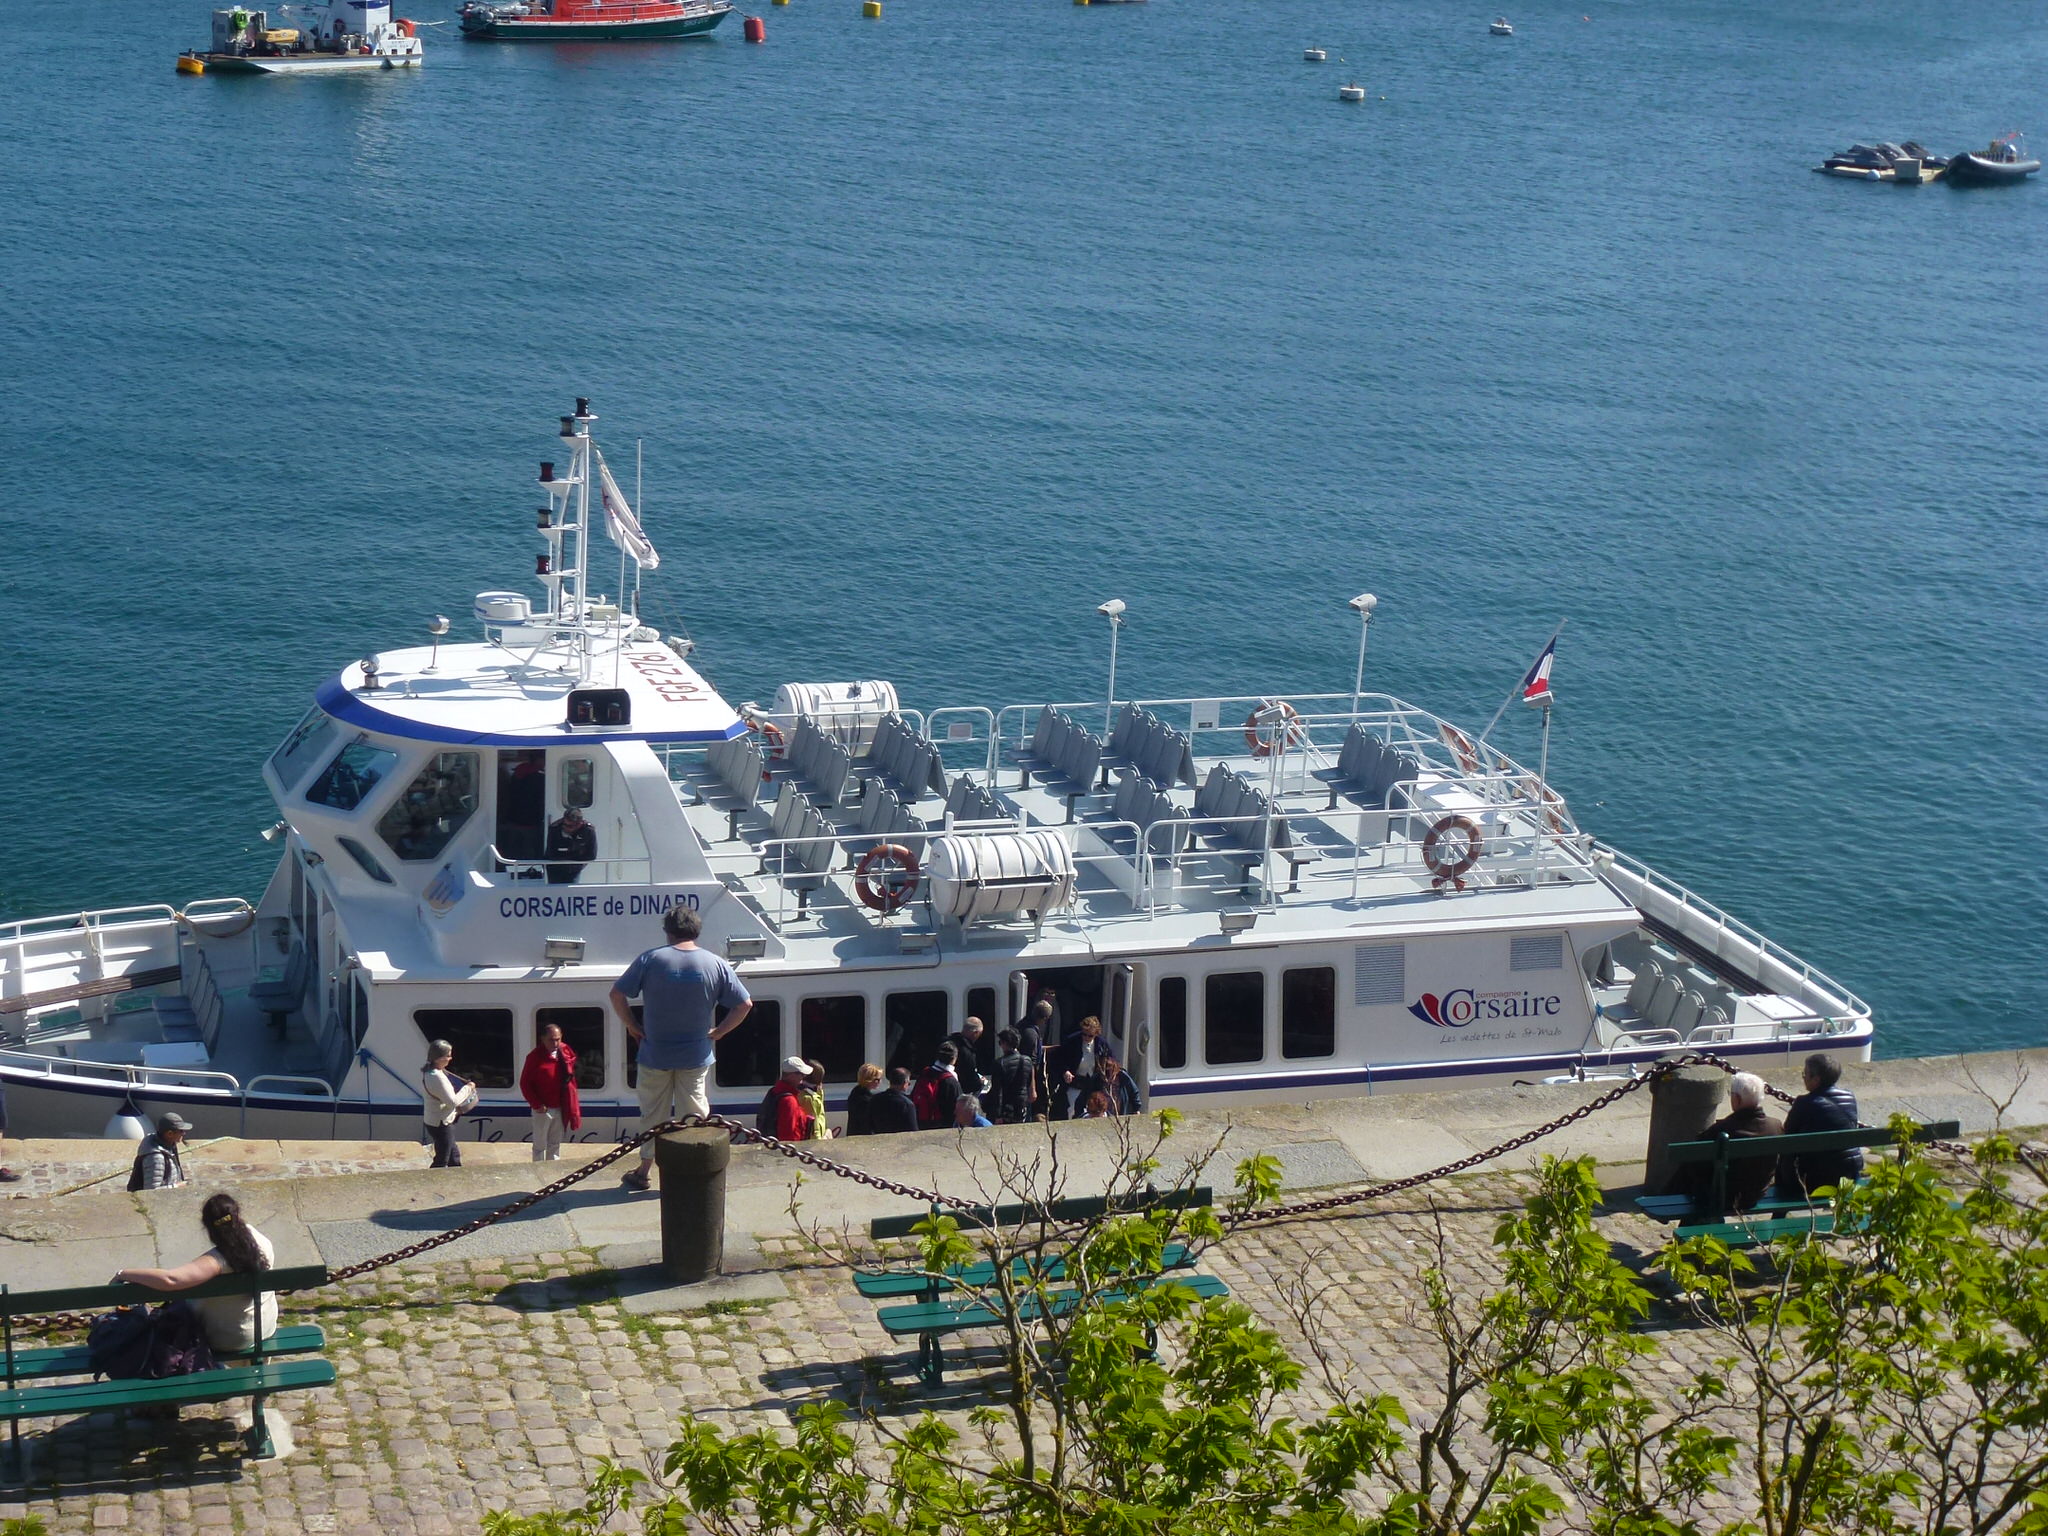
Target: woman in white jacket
[(444, 1097)]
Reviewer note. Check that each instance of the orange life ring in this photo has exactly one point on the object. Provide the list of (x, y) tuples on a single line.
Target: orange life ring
[(771, 736), (1448, 868), (886, 877), (1264, 741), (404, 27), (1463, 748)]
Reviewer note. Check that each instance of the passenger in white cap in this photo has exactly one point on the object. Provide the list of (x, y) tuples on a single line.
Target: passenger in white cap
[(782, 1113)]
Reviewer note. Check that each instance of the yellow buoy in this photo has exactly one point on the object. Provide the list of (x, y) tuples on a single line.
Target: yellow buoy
[(872, 9), (187, 65)]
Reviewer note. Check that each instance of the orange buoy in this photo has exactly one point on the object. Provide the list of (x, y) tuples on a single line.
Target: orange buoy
[(756, 30)]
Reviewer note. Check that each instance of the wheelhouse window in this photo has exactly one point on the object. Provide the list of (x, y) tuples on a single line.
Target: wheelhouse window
[(834, 1032), (1234, 1017), (751, 1056), (1308, 1012), (1173, 1022), (356, 770), (913, 1028), (579, 782), (583, 1031), (300, 750), (366, 859), (434, 807), (482, 1038)]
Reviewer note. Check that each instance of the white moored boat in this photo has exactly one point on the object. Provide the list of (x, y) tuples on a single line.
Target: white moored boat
[(1269, 897)]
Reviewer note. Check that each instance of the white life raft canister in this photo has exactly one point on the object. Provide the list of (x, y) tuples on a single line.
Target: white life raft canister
[(970, 878)]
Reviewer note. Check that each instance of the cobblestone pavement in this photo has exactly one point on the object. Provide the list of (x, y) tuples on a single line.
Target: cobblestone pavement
[(496, 1383)]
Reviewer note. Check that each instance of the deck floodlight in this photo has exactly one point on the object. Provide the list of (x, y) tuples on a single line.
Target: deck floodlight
[(1236, 922), (1113, 610), (437, 626), (1362, 605), (272, 833), (740, 948), (562, 951)]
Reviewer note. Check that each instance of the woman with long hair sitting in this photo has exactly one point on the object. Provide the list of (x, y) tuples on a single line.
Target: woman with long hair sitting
[(231, 1322)]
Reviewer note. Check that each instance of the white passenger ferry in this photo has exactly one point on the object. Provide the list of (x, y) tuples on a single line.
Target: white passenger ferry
[(1271, 897)]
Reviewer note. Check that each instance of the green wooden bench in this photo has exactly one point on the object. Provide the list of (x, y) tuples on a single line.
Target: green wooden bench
[(932, 1318), (28, 1389), (930, 1321), (1683, 1208), (1784, 1218), (883, 1285)]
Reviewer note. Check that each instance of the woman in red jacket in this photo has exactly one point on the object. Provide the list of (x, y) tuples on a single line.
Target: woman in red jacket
[(548, 1083)]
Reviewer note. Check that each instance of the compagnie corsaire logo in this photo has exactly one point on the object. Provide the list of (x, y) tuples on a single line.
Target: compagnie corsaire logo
[(1454, 1010)]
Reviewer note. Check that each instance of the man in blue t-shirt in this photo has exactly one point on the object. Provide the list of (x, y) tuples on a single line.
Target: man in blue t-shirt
[(682, 988)]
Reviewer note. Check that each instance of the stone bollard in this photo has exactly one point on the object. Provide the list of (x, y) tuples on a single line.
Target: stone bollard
[(692, 1168), (1682, 1106)]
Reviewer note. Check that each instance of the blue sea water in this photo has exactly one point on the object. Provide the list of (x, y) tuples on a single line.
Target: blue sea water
[(940, 330)]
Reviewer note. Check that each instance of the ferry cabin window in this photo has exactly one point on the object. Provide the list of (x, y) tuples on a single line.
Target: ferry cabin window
[(579, 782), (434, 807), (300, 750), (913, 1029), (751, 1056), (363, 857), (583, 1032), (356, 770), (834, 1031), (1308, 1013), (482, 1038), (1173, 1022), (1234, 1017)]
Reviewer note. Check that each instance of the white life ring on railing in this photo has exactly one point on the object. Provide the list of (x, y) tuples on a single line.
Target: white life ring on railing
[(1463, 748), (886, 877), (242, 915), (1451, 848), (1271, 727)]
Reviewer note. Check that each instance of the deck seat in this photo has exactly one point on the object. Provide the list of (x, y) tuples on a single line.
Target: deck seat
[(972, 802), (820, 763), (736, 769), (280, 997)]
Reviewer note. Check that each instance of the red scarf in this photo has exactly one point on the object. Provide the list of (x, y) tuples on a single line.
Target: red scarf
[(550, 1083)]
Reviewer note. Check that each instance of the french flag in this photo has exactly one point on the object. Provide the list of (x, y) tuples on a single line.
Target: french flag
[(1536, 683)]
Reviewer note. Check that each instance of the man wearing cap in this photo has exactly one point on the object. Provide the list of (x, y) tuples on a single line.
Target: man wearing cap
[(160, 1164), (682, 988), (782, 1113)]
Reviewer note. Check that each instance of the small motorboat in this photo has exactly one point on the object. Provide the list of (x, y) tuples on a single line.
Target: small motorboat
[(1352, 92), (2001, 163), (1908, 164), (1314, 55), (1501, 27)]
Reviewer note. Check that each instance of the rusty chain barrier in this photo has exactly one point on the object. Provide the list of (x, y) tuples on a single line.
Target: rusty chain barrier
[(796, 1152)]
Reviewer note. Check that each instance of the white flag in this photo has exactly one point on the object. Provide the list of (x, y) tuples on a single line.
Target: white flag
[(621, 524)]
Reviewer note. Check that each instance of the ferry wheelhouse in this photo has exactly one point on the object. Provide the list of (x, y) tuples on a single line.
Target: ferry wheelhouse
[(1273, 897)]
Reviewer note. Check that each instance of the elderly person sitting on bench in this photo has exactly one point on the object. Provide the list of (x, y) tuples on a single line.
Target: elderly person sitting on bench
[(1748, 1177)]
